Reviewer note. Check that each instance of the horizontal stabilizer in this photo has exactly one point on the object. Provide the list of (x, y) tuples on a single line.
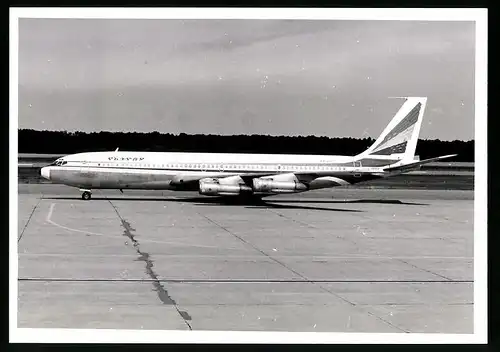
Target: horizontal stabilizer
[(410, 166)]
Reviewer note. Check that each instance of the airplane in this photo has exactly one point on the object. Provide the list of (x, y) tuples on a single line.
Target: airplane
[(256, 175)]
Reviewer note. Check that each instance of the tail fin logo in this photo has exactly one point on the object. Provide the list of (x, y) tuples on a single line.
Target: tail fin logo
[(396, 141)]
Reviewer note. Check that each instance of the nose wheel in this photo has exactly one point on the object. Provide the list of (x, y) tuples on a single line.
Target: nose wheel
[(86, 195)]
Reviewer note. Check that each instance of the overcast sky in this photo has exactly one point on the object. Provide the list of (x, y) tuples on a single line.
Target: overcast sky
[(325, 78)]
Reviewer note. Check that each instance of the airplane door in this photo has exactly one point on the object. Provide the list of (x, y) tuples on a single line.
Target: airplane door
[(83, 168), (357, 168)]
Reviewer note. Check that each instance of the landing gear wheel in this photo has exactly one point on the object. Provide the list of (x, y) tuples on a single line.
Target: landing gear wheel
[(86, 195)]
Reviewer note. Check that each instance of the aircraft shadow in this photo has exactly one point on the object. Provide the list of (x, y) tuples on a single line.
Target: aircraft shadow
[(275, 203), (357, 201), (255, 203), (270, 205)]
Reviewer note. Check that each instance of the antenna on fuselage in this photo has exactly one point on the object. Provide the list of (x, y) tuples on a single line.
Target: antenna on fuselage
[(117, 149)]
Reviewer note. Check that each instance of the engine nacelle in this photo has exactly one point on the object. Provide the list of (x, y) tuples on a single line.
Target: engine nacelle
[(264, 185), (212, 187)]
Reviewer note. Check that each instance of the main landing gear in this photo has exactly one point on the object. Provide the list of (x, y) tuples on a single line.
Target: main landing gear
[(86, 195)]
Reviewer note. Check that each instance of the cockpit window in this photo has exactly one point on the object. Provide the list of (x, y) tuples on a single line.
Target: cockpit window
[(59, 163)]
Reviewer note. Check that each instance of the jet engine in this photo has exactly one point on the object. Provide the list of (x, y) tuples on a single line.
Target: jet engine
[(269, 185), (214, 187)]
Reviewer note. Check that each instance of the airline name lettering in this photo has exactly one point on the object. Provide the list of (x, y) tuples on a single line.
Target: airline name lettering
[(124, 159)]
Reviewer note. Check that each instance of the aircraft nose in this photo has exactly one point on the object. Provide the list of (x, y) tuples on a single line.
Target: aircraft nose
[(45, 172)]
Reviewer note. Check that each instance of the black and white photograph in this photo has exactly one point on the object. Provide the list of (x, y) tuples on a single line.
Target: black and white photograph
[(310, 171)]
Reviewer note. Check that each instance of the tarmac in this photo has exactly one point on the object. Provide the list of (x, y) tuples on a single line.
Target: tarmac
[(335, 260)]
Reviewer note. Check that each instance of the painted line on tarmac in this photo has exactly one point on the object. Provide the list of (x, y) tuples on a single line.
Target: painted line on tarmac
[(50, 221)]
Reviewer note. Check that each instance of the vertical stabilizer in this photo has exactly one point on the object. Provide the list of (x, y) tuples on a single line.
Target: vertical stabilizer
[(399, 139)]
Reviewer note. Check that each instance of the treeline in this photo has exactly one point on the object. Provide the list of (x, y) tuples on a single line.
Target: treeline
[(62, 142)]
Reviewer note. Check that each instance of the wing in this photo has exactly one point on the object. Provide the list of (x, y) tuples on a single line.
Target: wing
[(302, 177)]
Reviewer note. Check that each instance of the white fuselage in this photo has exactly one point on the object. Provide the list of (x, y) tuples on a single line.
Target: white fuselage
[(179, 171)]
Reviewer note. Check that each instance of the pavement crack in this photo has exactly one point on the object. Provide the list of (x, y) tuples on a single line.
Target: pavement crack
[(302, 276), (419, 268), (145, 257), (254, 247), (302, 223), (29, 219)]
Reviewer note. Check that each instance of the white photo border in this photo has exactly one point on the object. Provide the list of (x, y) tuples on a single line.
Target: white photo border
[(479, 16)]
